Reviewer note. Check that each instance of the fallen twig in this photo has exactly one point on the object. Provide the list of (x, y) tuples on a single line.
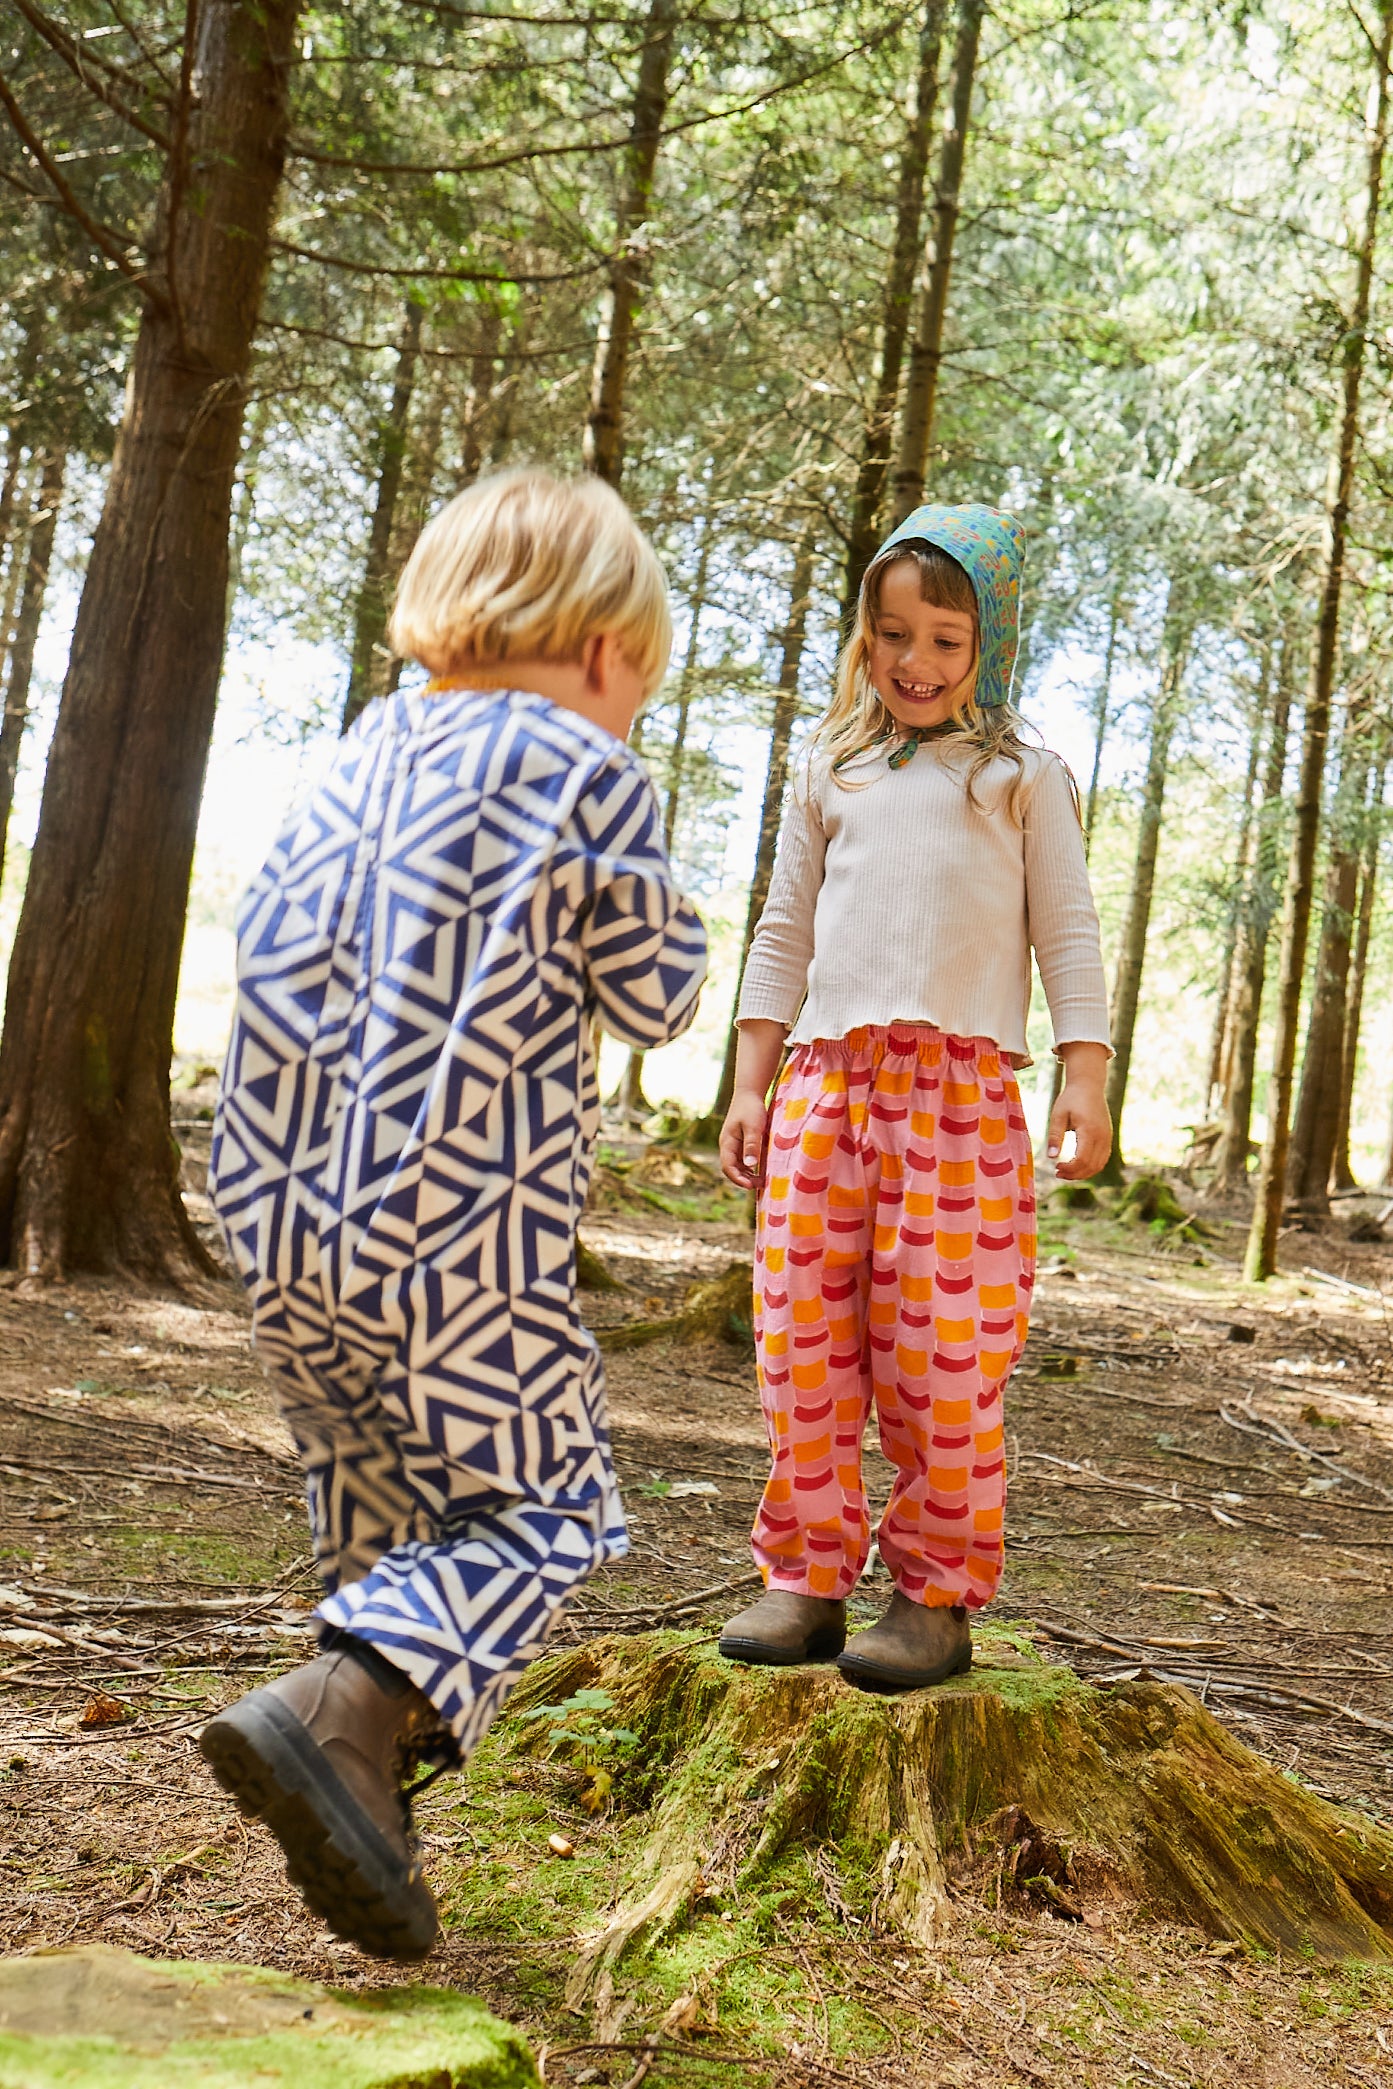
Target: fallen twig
[(1251, 1423), (1263, 1692)]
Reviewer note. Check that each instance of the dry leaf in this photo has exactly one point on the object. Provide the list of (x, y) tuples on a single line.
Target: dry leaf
[(682, 2016), (103, 1710), (595, 1797)]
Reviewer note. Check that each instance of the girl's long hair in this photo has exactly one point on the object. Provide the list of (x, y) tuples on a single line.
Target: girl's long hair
[(856, 719)]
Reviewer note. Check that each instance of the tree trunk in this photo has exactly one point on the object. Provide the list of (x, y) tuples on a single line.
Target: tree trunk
[(629, 1098), (1342, 1173), (1261, 1259), (89, 1174), (1090, 810), (775, 779), (926, 351), (1223, 1010), (17, 436), (1250, 957), (413, 508), (877, 441), (15, 530), (482, 368), (21, 663), (604, 430), (244, 500), (684, 689), (367, 674), (508, 389), (1315, 1125), (1132, 953)]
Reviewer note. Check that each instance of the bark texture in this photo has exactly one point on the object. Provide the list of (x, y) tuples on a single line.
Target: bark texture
[(17, 436), (878, 440), (370, 664), (748, 1774), (1223, 1000), (775, 781), (926, 351), (1261, 1258), (603, 448), (478, 398), (1250, 954), (88, 1170), (1101, 714), (1131, 958), (43, 524), (1315, 1125)]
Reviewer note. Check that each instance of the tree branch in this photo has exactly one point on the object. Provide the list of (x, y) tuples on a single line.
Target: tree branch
[(102, 237), (427, 355), (433, 275), (524, 155), (82, 67)]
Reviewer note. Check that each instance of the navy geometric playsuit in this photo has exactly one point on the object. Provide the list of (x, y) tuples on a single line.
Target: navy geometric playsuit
[(403, 1149)]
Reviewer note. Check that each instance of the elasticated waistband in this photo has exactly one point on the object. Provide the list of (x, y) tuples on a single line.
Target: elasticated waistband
[(921, 1041)]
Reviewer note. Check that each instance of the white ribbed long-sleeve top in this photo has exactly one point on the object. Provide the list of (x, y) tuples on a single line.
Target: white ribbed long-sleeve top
[(900, 900)]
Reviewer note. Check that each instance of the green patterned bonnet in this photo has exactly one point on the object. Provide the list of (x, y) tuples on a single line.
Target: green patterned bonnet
[(989, 545)]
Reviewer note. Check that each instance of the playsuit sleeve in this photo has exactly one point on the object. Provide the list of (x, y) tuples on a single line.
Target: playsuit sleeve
[(642, 941)]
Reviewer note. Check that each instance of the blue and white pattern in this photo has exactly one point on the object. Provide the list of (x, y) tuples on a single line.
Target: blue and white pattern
[(402, 1153)]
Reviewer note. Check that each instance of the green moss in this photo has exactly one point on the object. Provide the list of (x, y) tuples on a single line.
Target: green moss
[(215, 1556), (130, 2023)]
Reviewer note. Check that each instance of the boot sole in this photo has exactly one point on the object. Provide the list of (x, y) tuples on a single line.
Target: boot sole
[(822, 1646), (335, 1855), (890, 1682)]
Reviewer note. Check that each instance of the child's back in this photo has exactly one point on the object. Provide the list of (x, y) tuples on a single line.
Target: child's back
[(402, 1154)]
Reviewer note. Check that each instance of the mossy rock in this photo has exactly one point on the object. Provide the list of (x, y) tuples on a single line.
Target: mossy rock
[(98, 2018), (746, 1772)]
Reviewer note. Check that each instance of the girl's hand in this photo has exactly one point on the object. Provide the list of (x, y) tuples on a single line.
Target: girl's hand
[(747, 1120), (742, 1138), (1083, 1110)]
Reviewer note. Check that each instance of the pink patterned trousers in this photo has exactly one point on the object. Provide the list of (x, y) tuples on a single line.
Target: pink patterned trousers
[(894, 1261)]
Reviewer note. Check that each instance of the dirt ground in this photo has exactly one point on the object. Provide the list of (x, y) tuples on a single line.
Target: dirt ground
[(1201, 1490)]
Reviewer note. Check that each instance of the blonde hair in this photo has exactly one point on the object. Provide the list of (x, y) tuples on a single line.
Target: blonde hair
[(856, 719), (525, 566)]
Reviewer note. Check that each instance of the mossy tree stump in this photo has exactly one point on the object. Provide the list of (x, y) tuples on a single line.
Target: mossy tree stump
[(753, 1778)]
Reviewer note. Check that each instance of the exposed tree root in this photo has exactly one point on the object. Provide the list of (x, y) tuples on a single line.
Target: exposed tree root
[(593, 1273), (719, 1311), (755, 1778)]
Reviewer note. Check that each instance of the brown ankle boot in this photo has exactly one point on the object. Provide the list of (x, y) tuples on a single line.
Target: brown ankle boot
[(783, 1629), (319, 1756), (914, 1645)]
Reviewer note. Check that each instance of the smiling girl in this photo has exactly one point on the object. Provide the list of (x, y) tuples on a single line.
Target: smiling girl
[(925, 850)]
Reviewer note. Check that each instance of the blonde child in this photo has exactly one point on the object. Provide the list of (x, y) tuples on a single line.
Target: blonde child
[(924, 850), (402, 1153)]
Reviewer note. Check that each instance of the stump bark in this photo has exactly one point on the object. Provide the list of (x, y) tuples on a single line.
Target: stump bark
[(759, 1781)]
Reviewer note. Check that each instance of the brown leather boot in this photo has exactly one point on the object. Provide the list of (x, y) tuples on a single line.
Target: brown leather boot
[(319, 1756), (782, 1630), (914, 1645)]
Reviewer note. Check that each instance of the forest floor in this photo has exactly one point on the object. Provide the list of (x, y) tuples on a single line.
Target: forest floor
[(1201, 1489)]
